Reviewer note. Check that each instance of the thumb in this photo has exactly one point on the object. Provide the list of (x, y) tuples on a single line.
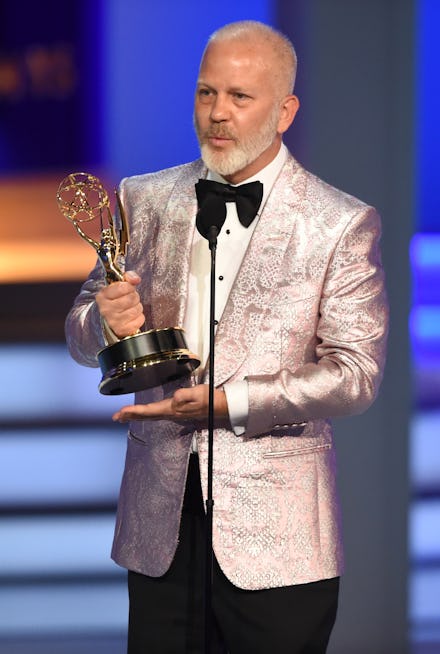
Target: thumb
[(132, 277)]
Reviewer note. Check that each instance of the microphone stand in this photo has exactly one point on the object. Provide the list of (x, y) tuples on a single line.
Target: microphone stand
[(209, 557)]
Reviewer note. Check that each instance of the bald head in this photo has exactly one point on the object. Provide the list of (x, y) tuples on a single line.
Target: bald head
[(281, 56), (244, 101)]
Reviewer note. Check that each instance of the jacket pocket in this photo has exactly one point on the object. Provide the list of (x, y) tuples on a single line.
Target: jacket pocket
[(135, 439), (306, 449)]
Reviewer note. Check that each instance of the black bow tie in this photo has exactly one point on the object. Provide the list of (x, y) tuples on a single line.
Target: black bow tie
[(246, 196)]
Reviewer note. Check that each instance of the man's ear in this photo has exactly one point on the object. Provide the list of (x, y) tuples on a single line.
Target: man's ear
[(288, 109)]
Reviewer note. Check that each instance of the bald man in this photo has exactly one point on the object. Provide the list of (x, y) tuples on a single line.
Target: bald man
[(301, 319)]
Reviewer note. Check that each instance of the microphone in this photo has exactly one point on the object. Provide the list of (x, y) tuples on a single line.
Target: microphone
[(210, 218)]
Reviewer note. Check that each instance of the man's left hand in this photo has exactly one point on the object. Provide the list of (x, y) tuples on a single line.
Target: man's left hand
[(186, 404)]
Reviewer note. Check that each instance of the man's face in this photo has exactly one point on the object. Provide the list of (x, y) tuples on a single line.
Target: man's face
[(236, 112)]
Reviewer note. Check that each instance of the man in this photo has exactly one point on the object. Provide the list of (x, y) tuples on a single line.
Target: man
[(302, 322)]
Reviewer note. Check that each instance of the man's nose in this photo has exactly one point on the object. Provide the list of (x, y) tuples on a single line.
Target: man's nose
[(220, 109)]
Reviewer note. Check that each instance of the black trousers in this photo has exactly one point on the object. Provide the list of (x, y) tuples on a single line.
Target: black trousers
[(166, 613)]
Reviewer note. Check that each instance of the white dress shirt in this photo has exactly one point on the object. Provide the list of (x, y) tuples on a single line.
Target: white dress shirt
[(232, 244)]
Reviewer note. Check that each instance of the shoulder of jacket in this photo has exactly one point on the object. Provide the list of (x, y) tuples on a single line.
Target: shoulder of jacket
[(322, 193), (166, 177)]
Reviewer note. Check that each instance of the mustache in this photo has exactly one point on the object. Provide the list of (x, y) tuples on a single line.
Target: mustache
[(219, 131)]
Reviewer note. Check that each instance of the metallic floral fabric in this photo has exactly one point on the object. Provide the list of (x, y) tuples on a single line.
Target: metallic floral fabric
[(305, 324)]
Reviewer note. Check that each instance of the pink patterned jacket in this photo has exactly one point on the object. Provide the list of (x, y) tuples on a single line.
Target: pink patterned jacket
[(305, 324)]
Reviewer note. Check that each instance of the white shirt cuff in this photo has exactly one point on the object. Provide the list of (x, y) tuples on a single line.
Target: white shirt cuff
[(237, 396)]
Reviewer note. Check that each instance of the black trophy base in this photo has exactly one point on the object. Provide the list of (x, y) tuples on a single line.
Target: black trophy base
[(145, 360)]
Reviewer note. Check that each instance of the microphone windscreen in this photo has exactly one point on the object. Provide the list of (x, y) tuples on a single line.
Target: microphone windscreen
[(212, 213)]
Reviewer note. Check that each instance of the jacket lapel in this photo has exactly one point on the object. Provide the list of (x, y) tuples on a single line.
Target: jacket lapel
[(260, 271), (173, 248)]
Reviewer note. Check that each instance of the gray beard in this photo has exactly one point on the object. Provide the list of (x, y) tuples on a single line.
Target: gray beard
[(243, 153), (226, 164)]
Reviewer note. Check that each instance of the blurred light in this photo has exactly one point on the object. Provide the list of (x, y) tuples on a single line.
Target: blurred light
[(75, 466), (37, 243), (56, 545), (424, 594), (425, 530), (44, 383), (425, 451), (425, 252), (425, 325), (53, 608)]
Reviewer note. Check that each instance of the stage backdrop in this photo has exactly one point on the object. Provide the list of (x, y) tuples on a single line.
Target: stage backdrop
[(108, 87)]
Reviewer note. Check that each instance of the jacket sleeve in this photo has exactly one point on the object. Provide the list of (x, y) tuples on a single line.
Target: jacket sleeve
[(83, 327), (351, 338)]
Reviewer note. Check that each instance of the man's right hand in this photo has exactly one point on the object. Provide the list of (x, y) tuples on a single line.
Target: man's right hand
[(119, 305)]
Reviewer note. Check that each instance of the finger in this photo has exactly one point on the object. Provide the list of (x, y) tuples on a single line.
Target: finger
[(116, 290), (153, 411), (130, 309), (132, 277)]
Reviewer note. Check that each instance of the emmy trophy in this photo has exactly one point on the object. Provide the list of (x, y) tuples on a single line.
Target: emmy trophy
[(145, 359)]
